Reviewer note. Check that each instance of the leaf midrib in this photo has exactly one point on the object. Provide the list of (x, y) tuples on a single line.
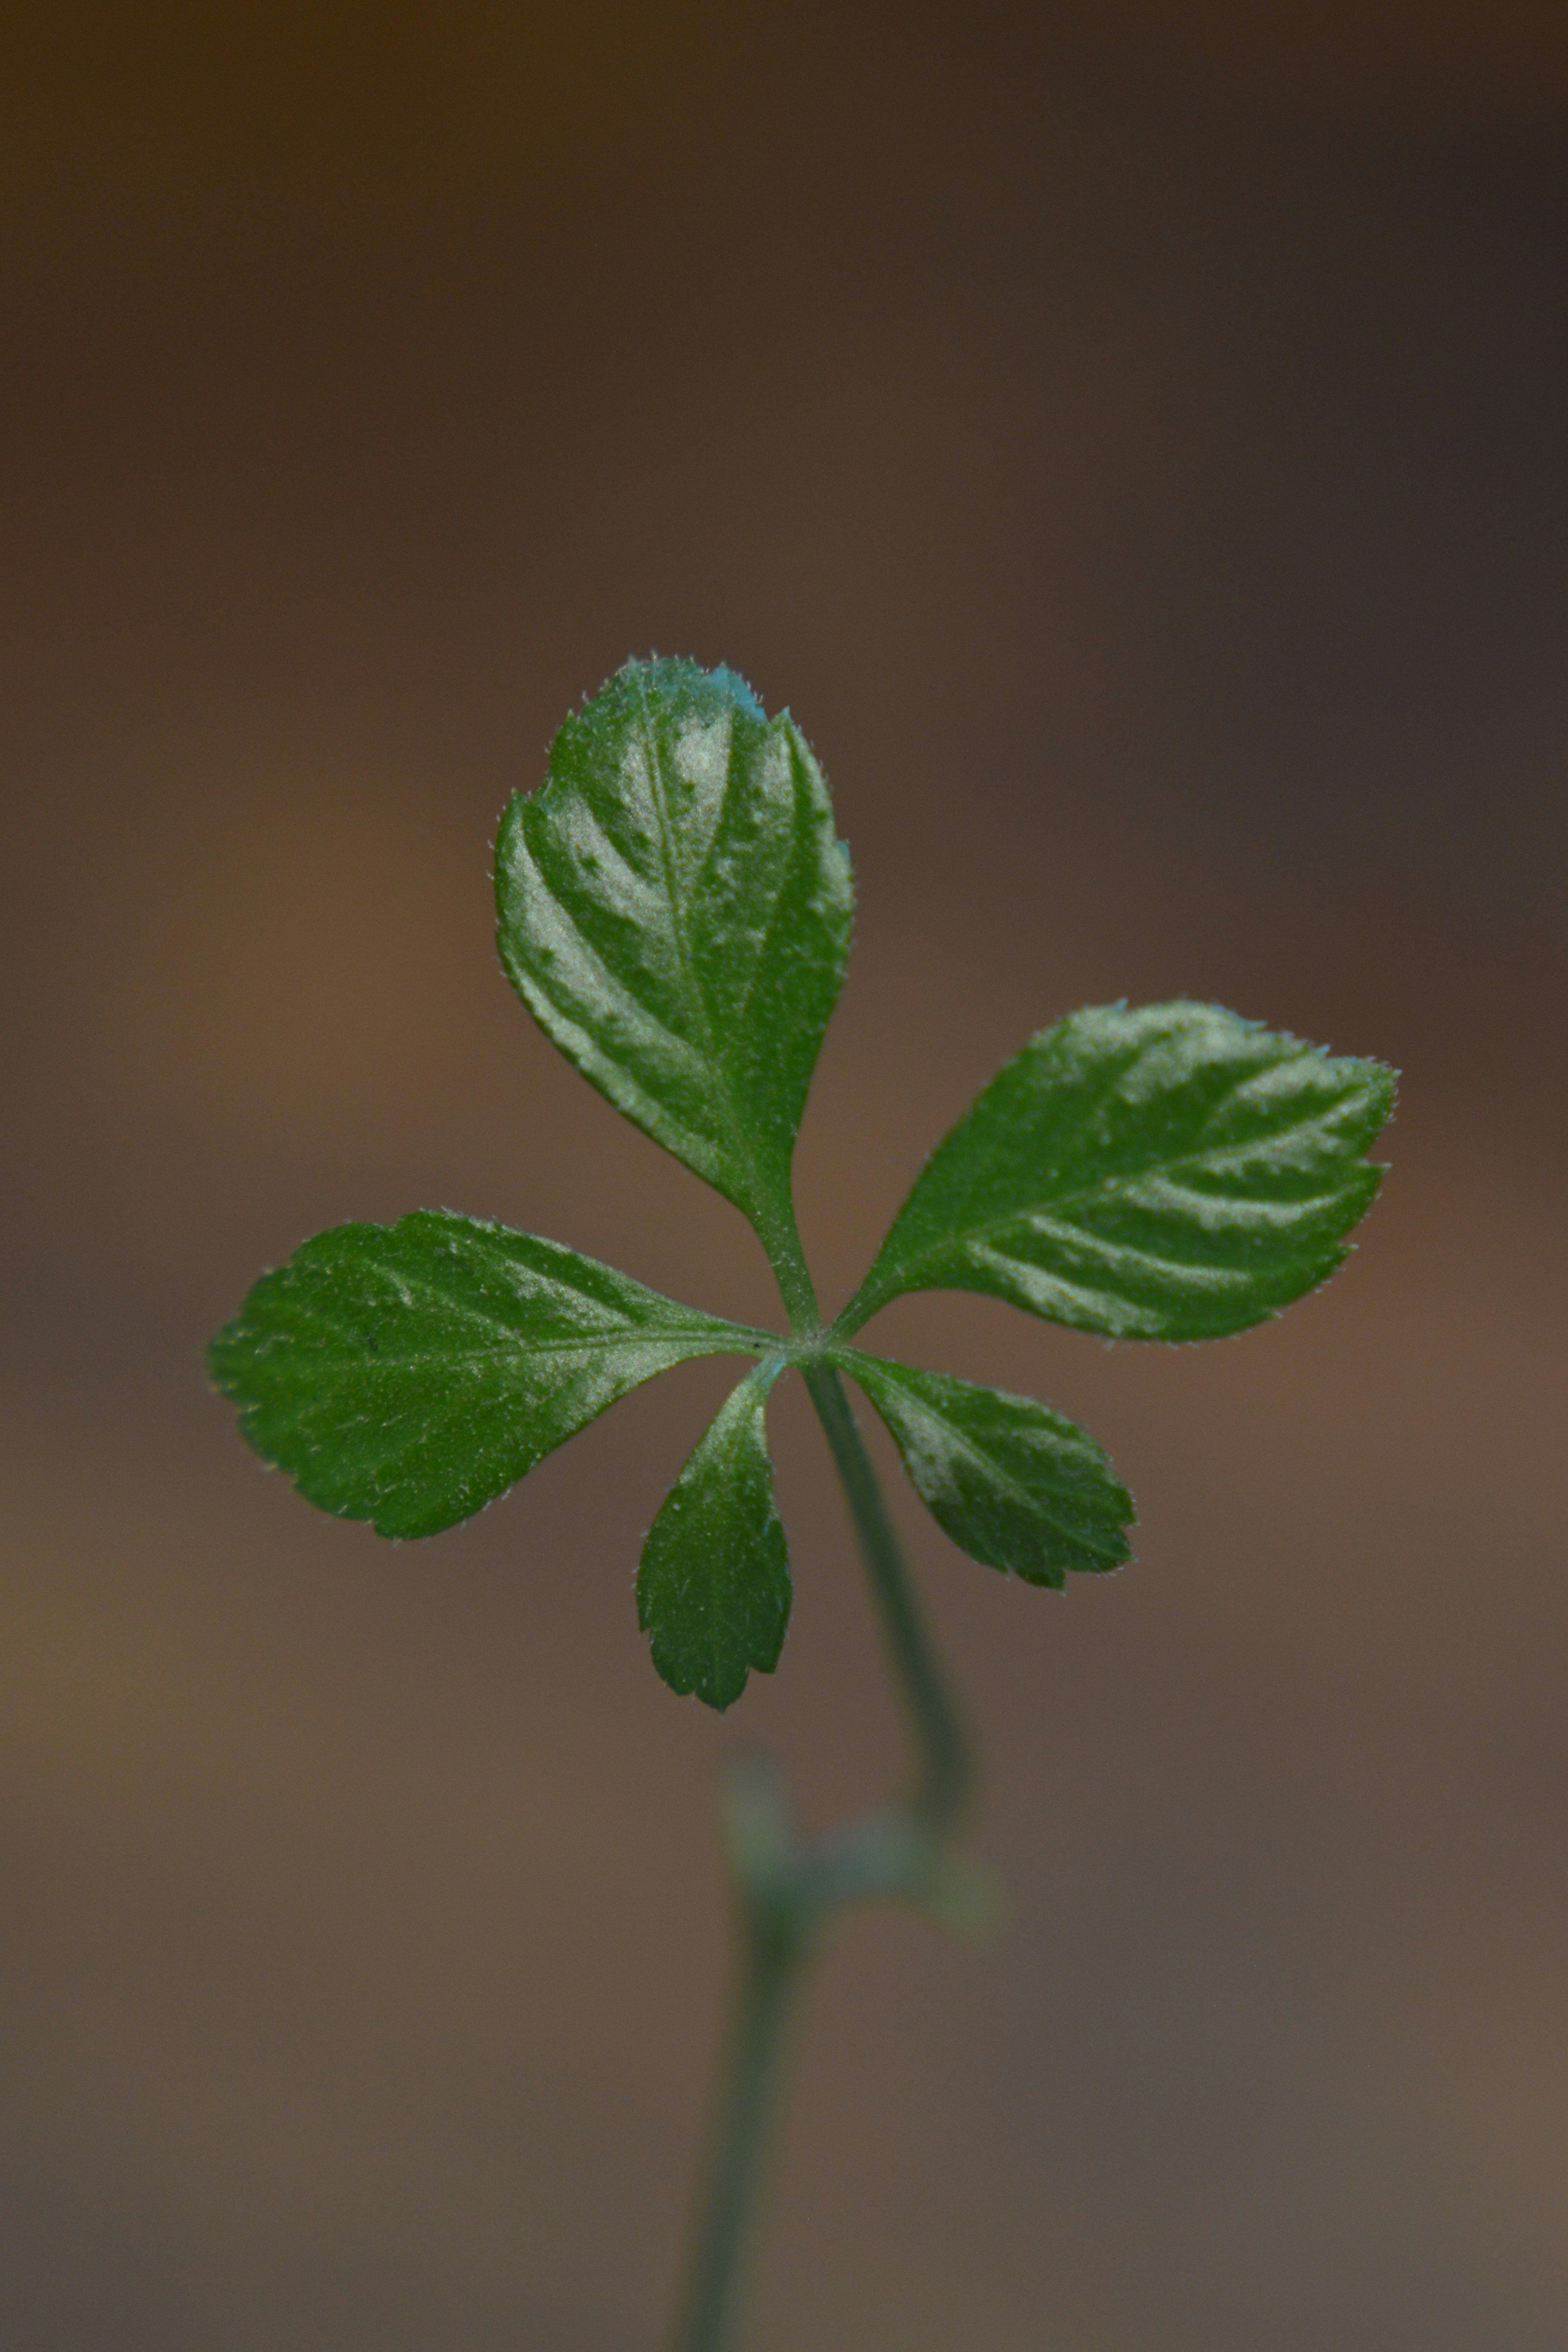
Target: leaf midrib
[(697, 1345), (736, 1132), (435, 1298)]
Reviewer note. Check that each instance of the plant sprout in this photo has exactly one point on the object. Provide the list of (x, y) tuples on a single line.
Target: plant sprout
[(675, 910)]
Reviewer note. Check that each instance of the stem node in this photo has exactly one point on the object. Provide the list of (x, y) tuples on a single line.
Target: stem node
[(787, 1887)]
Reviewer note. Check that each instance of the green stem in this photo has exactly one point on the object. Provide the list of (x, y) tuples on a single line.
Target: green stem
[(787, 1887), (768, 1976), (780, 1238), (945, 1772)]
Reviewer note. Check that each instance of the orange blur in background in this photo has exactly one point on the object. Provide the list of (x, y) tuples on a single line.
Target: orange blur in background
[(1133, 438)]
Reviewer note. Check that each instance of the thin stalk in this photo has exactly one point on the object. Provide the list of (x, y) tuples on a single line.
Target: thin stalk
[(786, 1887), (796, 1286), (769, 1974), (945, 1772), (780, 1237)]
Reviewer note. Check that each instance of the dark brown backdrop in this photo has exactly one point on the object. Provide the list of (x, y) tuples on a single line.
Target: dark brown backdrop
[(1131, 438)]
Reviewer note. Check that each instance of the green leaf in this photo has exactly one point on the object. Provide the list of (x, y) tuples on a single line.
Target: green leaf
[(408, 1374), (713, 1587), (674, 913), (1167, 1172), (1015, 1485)]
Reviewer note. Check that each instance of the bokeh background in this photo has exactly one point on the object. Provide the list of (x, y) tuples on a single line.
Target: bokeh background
[(1132, 439)]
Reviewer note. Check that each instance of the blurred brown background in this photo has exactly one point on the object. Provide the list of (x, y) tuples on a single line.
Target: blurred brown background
[(1131, 436)]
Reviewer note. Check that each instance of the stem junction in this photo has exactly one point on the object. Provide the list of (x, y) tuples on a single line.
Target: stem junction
[(788, 1887)]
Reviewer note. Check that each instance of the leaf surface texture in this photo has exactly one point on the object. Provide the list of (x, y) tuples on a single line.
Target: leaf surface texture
[(713, 1588), (675, 911), (408, 1374), (1015, 1486), (1165, 1173)]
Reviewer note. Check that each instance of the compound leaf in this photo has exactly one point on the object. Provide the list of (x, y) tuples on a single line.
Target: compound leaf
[(674, 913), (713, 1587), (408, 1374), (1167, 1172), (1015, 1485)]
